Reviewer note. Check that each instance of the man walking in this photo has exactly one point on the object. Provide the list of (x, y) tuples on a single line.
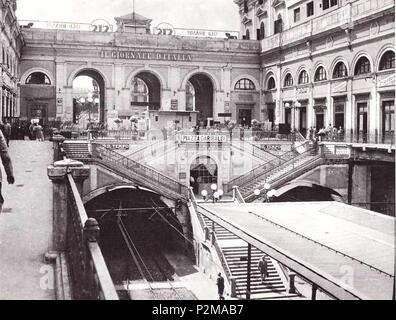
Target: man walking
[(263, 267), (220, 286), (6, 160)]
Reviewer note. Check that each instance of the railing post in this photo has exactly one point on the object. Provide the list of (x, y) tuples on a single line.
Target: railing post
[(292, 287), (233, 287), (212, 238), (58, 140), (57, 174), (91, 233), (314, 289)]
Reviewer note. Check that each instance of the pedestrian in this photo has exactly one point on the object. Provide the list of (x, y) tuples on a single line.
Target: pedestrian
[(6, 128), (263, 267), (220, 286), (7, 164), (38, 129)]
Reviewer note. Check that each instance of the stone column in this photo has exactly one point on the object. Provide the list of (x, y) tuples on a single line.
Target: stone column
[(58, 175), (58, 140)]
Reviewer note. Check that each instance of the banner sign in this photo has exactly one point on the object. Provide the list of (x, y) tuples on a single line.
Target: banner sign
[(166, 29), (98, 25), (201, 138), (146, 55)]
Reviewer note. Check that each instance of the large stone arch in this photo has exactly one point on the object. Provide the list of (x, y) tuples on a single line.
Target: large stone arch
[(215, 81), (111, 187), (28, 72), (134, 73), (202, 154), (321, 191), (83, 68)]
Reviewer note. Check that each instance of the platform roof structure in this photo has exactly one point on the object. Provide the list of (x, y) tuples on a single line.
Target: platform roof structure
[(346, 251)]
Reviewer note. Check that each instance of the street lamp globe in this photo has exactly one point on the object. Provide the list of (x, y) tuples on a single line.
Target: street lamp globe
[(257, 192), (213, 187), (271, 193), (216, 195), (221, 193), (267, 186), (97, 100), (287, 105), (297, 104), (82, 100), (204, 193), (90, 100)]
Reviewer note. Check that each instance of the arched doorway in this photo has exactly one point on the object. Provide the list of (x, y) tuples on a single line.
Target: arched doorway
[(203, 173), (199, 97), (88, 98), (145, 96)]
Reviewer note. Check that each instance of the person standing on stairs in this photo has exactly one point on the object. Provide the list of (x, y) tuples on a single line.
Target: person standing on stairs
[(263, 267), (220, 286)]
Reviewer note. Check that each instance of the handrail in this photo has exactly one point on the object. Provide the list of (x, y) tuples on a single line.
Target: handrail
[(138, 154), (237, 194), (255, 151), (265, 168), (135, 167), (223, 259), (90, 273)]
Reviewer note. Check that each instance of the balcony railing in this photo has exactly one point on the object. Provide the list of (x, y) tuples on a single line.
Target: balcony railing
[(337, 18)]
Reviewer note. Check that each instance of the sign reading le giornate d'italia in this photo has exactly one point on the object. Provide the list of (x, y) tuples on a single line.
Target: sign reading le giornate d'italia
[(146, 55)]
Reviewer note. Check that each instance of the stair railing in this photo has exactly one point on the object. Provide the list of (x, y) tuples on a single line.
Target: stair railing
[(136, 168), (265, 169), (255, 151), (236, 195), (151, 148)]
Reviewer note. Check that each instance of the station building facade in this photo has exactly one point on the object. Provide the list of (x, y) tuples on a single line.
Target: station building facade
[(303, 63), (326, 62)]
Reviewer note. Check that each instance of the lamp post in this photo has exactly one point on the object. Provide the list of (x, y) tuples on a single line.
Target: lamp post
[(267, 192), (216, 194)]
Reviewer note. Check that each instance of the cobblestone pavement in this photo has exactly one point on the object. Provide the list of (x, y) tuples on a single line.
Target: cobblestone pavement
[(26, 225)]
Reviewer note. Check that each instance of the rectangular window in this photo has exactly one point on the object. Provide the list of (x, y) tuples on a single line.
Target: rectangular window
[(333, 3), (388, 121), (310, 9), (325, 4), (297, 15)]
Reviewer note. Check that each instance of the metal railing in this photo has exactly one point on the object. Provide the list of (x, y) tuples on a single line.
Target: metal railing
[(236, 194), (264, 170), (134, 168), (90, 277), (365, 138), (246, 146)]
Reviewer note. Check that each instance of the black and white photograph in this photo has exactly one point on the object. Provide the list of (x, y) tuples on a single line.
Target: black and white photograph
[(220, 151)]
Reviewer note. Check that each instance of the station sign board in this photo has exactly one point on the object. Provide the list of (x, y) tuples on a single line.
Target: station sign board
[(193, 138)]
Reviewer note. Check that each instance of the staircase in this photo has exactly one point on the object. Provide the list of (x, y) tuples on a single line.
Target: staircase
[(272, 288), (76, 149), (276, 172)]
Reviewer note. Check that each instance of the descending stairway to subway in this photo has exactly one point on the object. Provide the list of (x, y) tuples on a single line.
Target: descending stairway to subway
[(235, 252)]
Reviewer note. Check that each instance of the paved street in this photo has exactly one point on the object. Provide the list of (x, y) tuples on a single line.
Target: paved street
[(25, 224)]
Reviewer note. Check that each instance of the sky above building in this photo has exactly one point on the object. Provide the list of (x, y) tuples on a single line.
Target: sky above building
[(197, 14)]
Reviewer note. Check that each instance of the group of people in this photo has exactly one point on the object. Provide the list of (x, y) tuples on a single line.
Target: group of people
[(20, 130), (330, 133)]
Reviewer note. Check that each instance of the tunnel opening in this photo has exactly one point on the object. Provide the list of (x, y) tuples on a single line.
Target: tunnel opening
[(138, 230), (199, 97)]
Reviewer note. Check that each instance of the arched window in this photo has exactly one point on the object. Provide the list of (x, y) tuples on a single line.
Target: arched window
[(245, 84), (303, 77), (320, 74), (288, 80), (247, 34), (340, 70), (262, 30), (271, 83), (387, 61), (362, 66), (38, 78)]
